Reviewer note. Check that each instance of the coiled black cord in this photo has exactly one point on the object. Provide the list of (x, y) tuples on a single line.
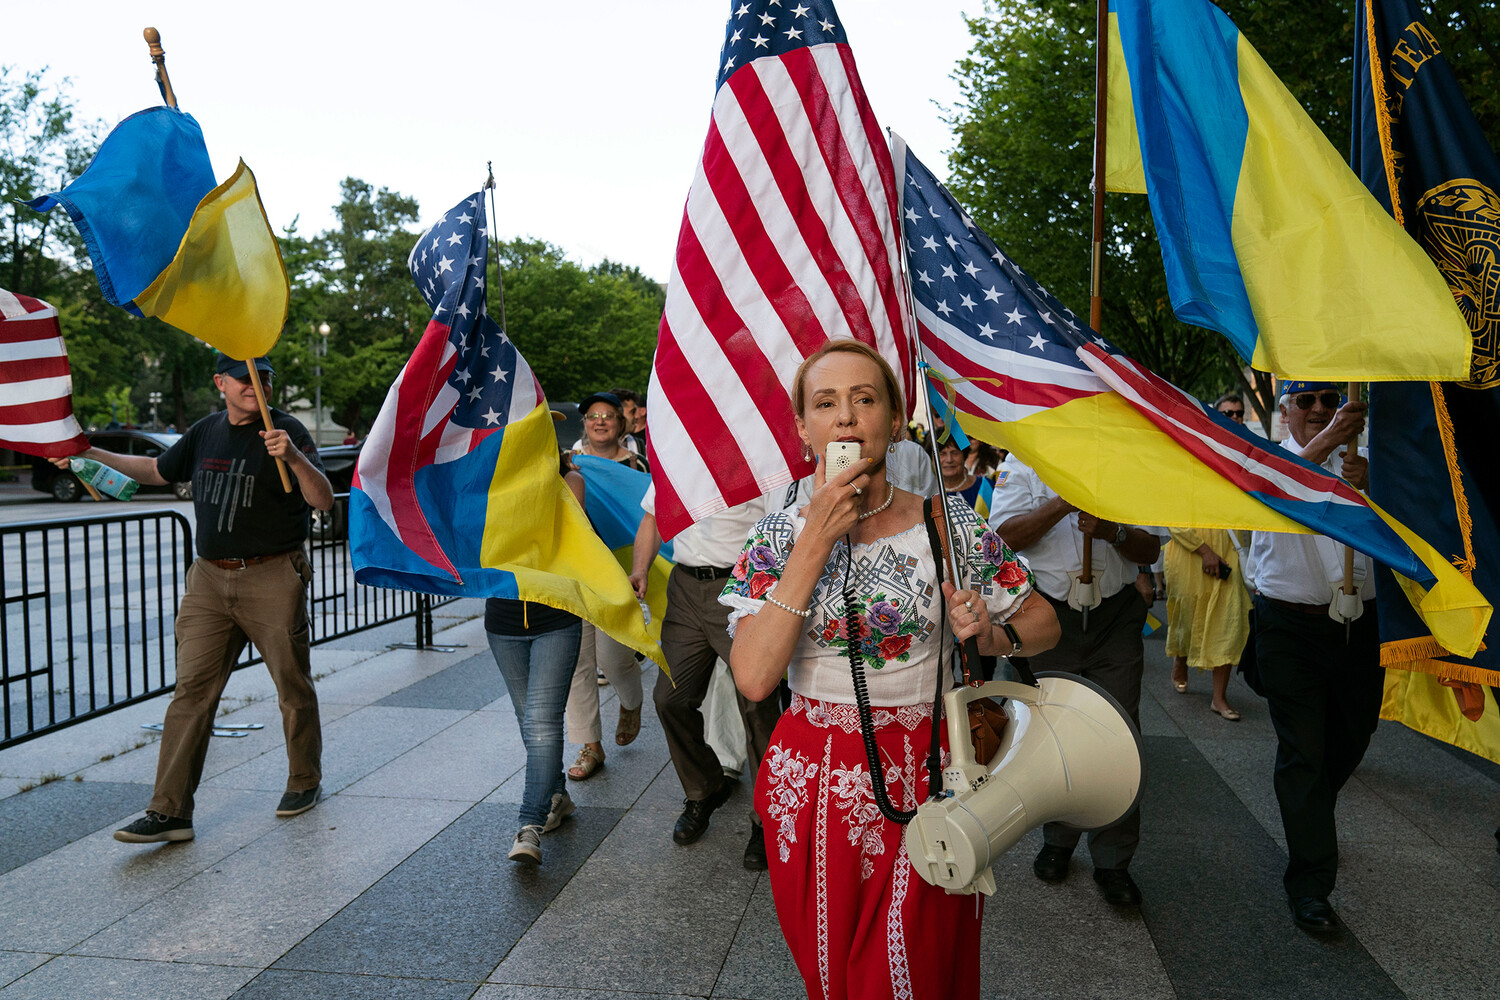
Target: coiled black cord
[(862, 698)]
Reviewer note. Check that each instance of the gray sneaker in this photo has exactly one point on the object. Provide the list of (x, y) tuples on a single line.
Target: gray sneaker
[(562, 808), (527, 847)]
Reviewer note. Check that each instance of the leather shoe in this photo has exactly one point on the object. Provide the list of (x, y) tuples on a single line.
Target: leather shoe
[(755, 850), (1119, 888), (695, 813), (1313, 913), (1051, 864)]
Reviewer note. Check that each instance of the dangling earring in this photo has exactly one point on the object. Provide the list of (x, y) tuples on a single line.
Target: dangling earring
[(892, 448), (807, 455)]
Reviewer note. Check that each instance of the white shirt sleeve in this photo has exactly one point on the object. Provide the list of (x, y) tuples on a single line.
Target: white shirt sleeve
[(1021, 492)]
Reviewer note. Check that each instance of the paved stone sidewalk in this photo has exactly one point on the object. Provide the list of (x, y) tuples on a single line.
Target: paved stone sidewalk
[(397, 886)]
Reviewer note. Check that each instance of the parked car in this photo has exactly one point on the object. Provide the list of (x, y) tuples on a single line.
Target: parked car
[(570, 427), (64, 486), (338, 465)]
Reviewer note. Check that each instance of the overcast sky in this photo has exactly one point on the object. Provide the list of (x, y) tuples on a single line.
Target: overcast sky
[(593, 111)]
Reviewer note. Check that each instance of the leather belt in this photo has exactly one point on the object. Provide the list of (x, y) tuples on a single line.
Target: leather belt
[(1306, 609), (253, 560), (706, 572)]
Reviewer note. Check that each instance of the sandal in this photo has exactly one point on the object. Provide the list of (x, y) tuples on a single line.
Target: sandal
[(629, 727), (589, 763)]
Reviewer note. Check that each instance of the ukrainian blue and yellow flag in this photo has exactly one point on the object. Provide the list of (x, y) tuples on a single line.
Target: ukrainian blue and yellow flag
[(612, 498), (1266, 234), (1420, 150), (166, 242)]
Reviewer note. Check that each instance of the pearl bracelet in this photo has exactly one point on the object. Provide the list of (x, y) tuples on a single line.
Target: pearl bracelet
[(806, 612)]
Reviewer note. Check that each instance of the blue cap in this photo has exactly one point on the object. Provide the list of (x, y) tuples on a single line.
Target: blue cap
[(241, 369)]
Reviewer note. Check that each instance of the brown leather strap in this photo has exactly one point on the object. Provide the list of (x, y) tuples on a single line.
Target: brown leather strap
[(252, 561)]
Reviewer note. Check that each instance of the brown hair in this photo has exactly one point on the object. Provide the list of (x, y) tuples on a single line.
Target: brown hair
[(887, 375)]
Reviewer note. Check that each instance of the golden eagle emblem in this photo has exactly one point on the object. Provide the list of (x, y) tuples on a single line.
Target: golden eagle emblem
[(1458, 224)]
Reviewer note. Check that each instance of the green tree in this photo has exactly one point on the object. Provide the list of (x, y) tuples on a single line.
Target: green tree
[(580, 329), (1023, 161), (355, 279), (42, 148)]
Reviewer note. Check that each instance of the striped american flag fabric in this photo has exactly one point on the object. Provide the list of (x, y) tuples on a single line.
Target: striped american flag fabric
[(789, 239), (36, 403)]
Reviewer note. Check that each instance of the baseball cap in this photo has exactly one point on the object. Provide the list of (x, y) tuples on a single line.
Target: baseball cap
[(241, 369), (601, 397)]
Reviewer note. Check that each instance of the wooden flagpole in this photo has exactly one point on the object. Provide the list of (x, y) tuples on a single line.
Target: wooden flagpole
[(1348, 589), (265, 415), (159, 57), (1096, 267)]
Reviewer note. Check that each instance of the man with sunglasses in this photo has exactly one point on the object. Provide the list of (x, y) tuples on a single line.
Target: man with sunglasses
[(1322, 678), (1232, 406), (249, 583)]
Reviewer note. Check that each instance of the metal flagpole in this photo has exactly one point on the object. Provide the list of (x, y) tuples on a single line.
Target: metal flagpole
[(489, 185), (898, 157)]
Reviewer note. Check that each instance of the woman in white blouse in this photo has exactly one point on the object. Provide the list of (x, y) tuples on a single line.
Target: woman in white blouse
[(857, 919)]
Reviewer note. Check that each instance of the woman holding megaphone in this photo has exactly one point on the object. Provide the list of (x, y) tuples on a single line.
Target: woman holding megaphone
[(842, 598)]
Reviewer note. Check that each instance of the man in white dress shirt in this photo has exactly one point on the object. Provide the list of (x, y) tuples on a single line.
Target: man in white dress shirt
[(694, 634), (1050, 533), (1322, 679)]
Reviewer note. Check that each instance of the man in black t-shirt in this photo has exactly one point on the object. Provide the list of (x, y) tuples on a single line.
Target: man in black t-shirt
[(247, 584)]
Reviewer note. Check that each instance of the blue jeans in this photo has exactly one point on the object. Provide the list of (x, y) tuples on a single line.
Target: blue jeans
[(538, 670)]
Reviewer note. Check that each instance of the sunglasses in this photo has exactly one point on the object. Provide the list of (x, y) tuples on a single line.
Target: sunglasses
[(1305, 400), (595, 418), (264, 379), (1234, 414)]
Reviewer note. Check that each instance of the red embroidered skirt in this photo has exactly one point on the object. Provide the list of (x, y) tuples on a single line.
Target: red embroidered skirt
[(858, 919)]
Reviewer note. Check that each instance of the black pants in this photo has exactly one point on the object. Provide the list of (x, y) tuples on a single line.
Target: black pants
[(1324, 694), (1112, 655), (694, 634)]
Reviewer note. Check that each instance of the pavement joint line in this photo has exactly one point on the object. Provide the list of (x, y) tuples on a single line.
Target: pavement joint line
[(359, 895), (749, 898), (150, 961), (72, 951)]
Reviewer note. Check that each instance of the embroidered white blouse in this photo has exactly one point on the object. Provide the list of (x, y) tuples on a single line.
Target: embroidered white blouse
[(898, 606)]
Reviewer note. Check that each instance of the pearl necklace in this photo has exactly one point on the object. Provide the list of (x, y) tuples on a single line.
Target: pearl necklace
[(890, 494)]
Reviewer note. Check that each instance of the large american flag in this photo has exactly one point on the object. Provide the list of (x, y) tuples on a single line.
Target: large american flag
[(981, 318), (789, 239), (464, 382), (36, 405)]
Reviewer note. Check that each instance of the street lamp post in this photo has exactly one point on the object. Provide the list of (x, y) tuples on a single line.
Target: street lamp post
[(155, 399), (320, 351)]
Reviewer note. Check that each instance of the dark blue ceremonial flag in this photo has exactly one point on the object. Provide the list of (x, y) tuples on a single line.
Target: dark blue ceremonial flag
[(1419, 149)]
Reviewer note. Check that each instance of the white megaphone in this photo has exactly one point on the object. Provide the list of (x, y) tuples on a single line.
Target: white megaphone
[(1069, 755)]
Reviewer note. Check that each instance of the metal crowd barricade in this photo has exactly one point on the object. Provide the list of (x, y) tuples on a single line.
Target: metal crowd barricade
[(89, 605)]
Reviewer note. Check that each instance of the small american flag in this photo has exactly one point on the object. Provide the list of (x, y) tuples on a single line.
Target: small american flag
[(464, 382), (789, 239), (36, 416)]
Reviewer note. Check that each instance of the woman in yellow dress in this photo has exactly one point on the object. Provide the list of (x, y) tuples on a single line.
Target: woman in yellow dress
[(1208, 609)]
